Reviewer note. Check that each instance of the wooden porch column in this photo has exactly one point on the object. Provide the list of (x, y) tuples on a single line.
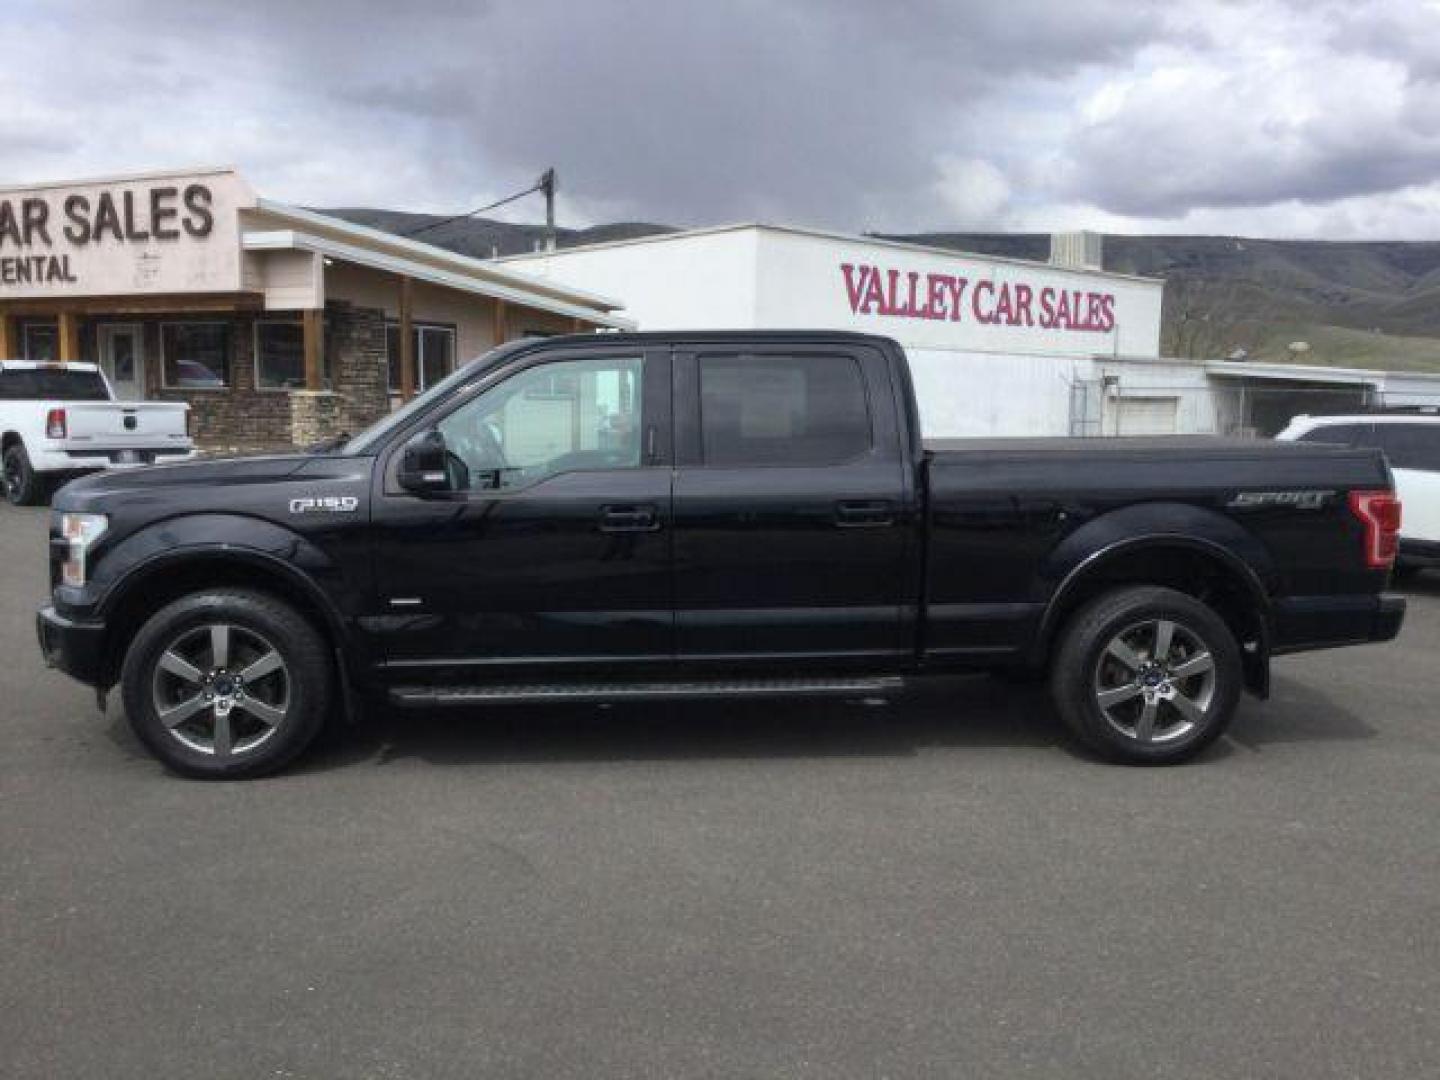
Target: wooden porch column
[(312, 329), (69, 337), (502, 322), (407, 343), (9, 336)]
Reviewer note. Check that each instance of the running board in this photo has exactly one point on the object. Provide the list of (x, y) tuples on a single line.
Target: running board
[(535, 693)]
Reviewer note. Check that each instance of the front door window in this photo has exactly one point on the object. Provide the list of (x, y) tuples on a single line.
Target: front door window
[(552, 418)]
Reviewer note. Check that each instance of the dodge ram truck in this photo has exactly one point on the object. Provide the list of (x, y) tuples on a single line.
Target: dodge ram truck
[(58, 421), (734, 515)]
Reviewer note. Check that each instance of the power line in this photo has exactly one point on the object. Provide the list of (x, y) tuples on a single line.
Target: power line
[(546, 183)]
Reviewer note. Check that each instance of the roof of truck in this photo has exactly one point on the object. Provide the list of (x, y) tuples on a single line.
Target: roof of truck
[(1309, 423), (791, 335)]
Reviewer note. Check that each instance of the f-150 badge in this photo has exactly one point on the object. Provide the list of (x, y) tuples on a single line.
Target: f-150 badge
[(324, 504)]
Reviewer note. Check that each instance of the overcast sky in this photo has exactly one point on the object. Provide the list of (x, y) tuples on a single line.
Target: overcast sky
[(1275, 118)]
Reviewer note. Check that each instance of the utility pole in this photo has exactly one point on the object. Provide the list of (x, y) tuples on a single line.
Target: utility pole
[(547, 185)]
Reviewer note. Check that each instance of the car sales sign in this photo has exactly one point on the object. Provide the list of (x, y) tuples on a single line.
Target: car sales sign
[(910, 294), (173, 233)]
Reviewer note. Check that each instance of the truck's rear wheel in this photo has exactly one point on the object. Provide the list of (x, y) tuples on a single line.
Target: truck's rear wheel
[(226, 684), (23, 485), (1147, 676)]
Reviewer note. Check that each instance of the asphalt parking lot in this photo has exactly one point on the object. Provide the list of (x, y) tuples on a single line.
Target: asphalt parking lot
[(939, 888)]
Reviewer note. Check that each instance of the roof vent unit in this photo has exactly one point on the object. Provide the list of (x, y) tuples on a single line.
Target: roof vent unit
[(1082, 250)]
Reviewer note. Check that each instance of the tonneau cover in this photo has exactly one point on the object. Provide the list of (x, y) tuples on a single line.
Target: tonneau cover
[(1164, 446)]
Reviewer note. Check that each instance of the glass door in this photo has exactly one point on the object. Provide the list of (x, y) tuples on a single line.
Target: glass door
[(122, 360)]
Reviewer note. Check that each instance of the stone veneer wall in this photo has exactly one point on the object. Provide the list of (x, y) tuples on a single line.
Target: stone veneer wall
[(314, 415), (357, 360)]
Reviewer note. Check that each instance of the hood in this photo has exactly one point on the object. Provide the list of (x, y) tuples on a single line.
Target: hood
[(208, 472)]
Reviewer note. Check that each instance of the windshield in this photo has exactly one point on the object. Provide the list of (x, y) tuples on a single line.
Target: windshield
[(51, 384), (371, 439)]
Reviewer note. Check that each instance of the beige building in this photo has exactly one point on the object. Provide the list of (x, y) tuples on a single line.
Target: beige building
[(277, 325)]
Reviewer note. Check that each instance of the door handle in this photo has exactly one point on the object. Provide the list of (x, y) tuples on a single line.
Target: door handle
[(619, 519), (867, 514)]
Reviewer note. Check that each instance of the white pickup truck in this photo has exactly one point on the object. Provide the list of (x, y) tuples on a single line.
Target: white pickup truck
[(1411, 441), (60, 420)]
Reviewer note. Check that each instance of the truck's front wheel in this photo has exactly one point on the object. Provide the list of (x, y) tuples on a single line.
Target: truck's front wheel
[(226, 684), (23, 485), (1147, 676)]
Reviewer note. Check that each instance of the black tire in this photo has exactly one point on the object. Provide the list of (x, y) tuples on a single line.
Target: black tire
[(1405, 571), (1103, 652), (255, 628), (23, 485)]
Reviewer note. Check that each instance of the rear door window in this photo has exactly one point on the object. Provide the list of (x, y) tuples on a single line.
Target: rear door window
[(1410, 446), (1343, 434), (782, 410)]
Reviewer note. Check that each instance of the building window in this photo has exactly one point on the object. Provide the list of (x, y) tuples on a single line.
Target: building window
[(41, 343), (434, 353), (279, 355), (196, 355)]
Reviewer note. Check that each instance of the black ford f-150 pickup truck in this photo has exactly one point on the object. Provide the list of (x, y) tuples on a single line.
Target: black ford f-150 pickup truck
[(707, 514)]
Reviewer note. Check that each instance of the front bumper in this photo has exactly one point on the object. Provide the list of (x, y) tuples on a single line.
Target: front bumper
[(1323, 622), (76, 648)]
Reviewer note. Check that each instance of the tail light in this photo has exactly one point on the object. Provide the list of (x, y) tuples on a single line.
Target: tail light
[(55, 426), (1379, 512)]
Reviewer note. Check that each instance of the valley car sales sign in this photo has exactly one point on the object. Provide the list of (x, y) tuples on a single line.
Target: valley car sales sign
[(910, 294), (150, 234)]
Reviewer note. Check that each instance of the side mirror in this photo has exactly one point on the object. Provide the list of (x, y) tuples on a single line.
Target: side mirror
[(424, 464)]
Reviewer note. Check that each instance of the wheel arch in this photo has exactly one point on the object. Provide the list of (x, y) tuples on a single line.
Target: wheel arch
[(163, 579), (1196, 566)]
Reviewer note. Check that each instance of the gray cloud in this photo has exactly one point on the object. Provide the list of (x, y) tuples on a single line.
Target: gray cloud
[(846, 113), (682, 111), (1250, 129)]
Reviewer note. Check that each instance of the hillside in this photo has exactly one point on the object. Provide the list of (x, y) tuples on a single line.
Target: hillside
[(1361, 304), (484, 238)]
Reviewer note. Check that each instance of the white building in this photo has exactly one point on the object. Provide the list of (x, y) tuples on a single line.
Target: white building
[(998, 346)]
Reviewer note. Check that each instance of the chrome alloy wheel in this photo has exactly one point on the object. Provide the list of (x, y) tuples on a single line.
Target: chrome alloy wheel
[(13, 477), (1155, 681), (220, 689)]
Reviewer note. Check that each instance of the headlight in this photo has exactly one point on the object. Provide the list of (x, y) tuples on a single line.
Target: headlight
[(80, 532)]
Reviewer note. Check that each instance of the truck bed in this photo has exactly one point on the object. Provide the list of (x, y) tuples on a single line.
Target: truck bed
[(1184, 466)]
